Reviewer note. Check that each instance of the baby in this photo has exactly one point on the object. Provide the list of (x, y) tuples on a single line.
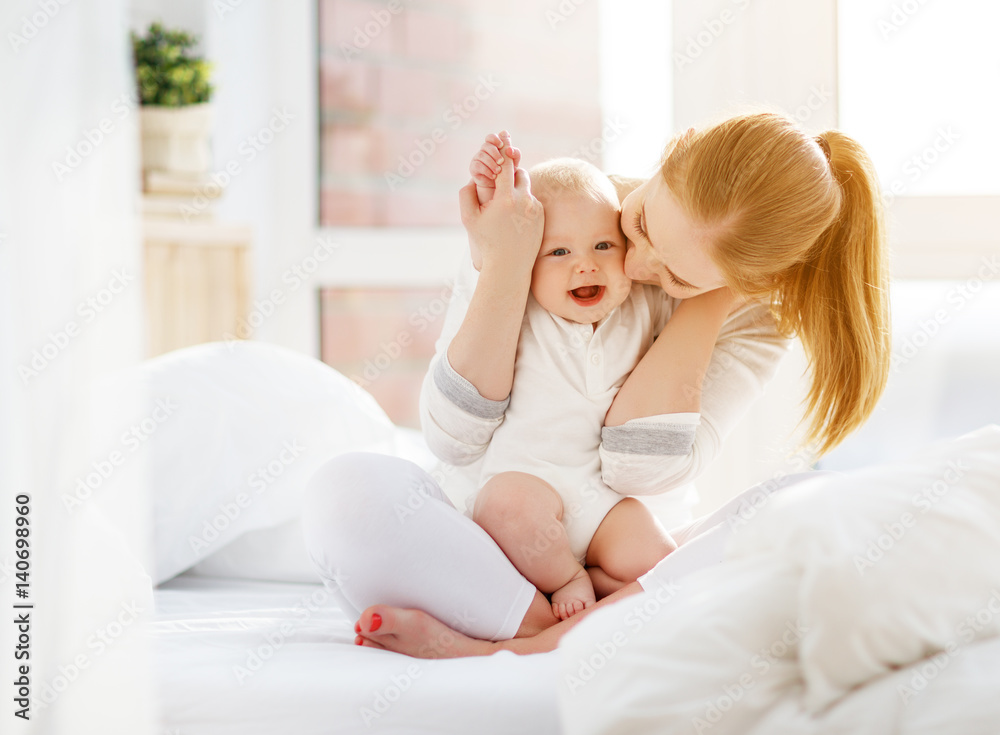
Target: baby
[(585, 328)]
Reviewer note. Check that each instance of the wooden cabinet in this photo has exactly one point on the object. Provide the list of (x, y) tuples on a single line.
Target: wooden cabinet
[(197, 279)]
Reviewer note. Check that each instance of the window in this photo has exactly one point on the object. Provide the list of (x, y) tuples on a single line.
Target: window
[(408, 91), (918, 83)]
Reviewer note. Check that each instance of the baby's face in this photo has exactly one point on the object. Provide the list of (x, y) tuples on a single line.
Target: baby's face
[(580, 271)]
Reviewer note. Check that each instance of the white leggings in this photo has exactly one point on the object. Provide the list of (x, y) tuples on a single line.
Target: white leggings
[(380, 530)]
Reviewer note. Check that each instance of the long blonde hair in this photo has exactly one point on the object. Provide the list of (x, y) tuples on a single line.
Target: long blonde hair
[(800, 220)]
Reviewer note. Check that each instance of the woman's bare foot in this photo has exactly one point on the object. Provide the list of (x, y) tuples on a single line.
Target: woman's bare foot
[(415, 633), (574, 596)]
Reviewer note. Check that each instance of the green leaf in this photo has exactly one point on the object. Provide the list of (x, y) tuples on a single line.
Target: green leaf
[(165, 71)]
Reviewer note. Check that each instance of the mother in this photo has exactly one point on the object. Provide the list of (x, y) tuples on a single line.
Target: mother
[(755, 231)]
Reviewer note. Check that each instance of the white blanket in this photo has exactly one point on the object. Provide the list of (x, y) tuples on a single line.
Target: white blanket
[(866, 603)]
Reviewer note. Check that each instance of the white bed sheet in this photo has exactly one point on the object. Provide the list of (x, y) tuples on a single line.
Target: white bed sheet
[(314, 680)]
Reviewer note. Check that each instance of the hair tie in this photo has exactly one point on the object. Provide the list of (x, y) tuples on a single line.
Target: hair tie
[(822, 143)]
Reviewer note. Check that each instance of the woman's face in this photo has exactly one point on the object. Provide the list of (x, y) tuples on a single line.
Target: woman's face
[(665, 247)]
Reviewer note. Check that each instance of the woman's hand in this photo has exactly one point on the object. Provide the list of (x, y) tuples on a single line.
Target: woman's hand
[(506, 230)]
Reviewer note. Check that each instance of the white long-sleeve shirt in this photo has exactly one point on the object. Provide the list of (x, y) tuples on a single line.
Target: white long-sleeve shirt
[(645, 456), (565, 377)]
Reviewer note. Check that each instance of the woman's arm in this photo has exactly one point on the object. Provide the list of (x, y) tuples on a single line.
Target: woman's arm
[(457, 421), (698, 380), (484, 347), (465, 392), (507, 232), (668, 378)]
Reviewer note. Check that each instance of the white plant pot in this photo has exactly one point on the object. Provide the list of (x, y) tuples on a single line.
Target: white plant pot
[(176, 138)]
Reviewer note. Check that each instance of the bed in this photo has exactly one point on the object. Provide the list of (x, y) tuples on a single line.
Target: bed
[(246, 641), (861, 603), (244, 656), (244, 637), (241, 656)]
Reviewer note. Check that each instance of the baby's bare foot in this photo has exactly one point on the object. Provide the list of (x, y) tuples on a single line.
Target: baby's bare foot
[(574, 596)]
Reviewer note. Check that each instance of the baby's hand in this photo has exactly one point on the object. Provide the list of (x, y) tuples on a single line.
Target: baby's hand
[(486, 164)]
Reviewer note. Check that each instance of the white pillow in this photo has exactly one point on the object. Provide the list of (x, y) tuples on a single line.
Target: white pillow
[(228, 439), (896, 560), (275, 554), (279, 553)]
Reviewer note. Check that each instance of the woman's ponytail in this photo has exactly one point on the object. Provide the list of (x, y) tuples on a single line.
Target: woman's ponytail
[(837, 301), (800, 221)]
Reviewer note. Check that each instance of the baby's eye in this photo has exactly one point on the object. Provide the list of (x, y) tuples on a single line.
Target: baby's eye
[(603, 246), (560, 251)]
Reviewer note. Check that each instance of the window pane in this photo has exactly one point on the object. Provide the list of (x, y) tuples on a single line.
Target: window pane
[(636, 84), (408, 91), (942, 382), (919, 85)]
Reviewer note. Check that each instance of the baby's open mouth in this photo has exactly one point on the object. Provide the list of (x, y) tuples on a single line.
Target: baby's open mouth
[(587, 295)]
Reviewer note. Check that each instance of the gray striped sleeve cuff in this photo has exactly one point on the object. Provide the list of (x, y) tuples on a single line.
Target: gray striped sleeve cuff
[(649, 439), (464, 395)]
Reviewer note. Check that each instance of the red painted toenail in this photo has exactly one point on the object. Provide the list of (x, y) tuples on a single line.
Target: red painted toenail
[(376, 623), (357, 627)]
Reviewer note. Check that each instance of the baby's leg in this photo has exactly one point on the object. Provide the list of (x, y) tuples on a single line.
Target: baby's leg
[(628, 543), (523, 514)]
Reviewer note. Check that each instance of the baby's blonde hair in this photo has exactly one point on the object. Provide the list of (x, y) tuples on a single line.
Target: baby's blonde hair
[(800, 220), (573, 175)]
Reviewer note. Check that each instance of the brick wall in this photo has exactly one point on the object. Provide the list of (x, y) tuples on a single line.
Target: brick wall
[(383, 339), (409, 88)]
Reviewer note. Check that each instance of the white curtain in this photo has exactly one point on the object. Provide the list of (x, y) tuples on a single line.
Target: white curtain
[(71, 313)]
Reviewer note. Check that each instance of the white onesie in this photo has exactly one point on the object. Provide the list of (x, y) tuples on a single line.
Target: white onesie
[(565, 377)]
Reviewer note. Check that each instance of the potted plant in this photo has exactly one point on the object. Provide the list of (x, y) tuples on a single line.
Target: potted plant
[(174, 92)]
